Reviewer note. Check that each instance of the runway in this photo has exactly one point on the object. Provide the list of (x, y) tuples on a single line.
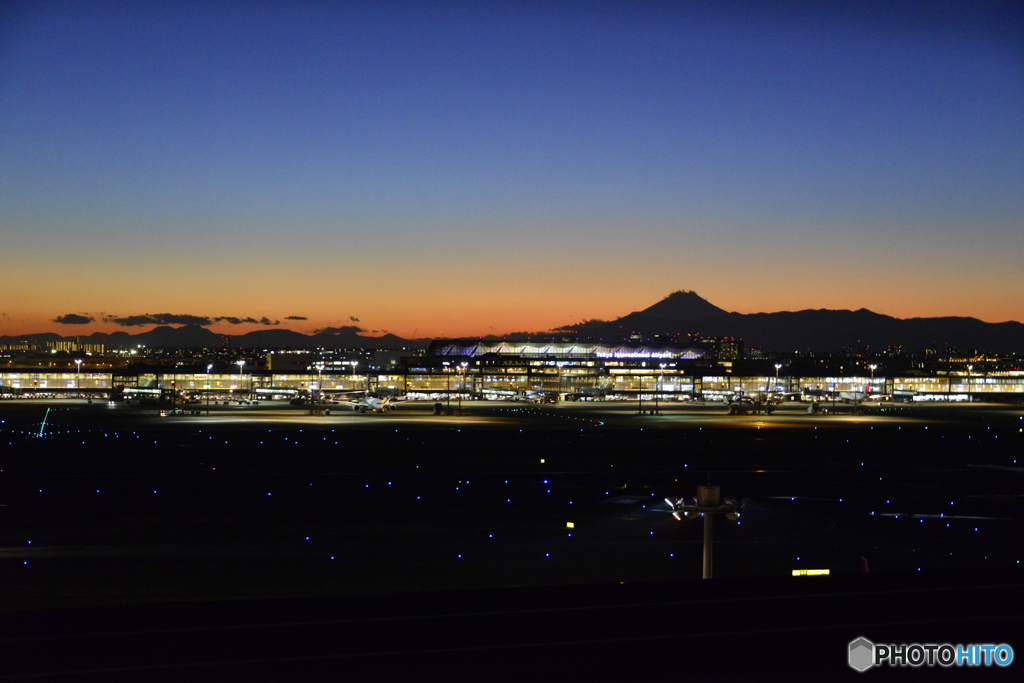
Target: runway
[(410, 500), (669, 414), (106, 507)]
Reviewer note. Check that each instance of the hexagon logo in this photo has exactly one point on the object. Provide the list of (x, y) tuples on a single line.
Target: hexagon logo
[(862, 654)]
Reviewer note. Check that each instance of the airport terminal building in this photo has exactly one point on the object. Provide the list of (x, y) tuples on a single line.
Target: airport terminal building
[(484, 369)]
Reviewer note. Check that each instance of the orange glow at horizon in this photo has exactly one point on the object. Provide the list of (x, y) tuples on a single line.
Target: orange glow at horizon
[(475, 307), (476, 290)]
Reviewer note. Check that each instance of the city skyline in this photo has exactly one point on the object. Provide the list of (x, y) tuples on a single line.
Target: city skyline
[(461, 170)]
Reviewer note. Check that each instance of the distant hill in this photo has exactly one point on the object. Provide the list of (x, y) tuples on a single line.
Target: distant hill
[(820, 330), (679, 313), (272, 339), (829, 330), (349, 338), (184, 337), (673, 313), (196, 336), (683, 305)]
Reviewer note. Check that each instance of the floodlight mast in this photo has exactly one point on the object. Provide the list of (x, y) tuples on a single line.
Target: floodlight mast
[(640, 396), (708, 504), (658, 387), (448, 394), (462, 382)]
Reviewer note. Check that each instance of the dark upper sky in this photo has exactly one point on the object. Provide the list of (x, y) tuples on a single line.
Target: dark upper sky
[(488, 167)]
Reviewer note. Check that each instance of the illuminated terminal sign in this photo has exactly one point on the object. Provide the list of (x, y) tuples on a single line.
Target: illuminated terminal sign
[(644, 352)]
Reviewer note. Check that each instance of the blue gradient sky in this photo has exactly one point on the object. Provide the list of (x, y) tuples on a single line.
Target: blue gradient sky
[(471, 169)]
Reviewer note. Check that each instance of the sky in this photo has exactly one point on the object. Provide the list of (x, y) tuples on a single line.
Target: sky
[(464, 168)]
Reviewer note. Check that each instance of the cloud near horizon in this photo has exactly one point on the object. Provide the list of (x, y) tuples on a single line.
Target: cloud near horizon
[(74, 319), (239, 321), (296, 317), (176, 319), (157, 319), (344, 329)]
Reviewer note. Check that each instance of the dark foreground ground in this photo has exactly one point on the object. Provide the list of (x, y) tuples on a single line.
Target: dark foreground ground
[(269, 543)]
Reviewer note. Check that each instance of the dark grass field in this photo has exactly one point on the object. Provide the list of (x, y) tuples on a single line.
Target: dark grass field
[(122, 515)]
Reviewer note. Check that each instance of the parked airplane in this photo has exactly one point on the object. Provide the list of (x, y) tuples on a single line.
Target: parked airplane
[(373, 404), (360, 404), (814, 395), (747, 404), (904, 395), (531, 396), (730, 396), (779, 396), (861, 396)]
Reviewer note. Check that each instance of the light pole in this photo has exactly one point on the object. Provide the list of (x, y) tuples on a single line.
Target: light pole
[(778, 366), (448, 377), (969, 368), (640, 395), (208, 369), (319, 380), (658, 386), (462, 382), (240, 364), (78, 377)]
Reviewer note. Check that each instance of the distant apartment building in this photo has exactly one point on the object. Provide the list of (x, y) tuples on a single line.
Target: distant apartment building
[(721, 348), (75, 347)]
